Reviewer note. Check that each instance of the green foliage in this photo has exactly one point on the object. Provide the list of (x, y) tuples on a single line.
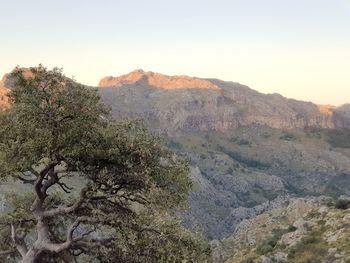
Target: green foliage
[(342, 204), (240, 141), (248, 260), (133, 189), (292, 228), (249, 162), (339, 138), (312, 248), (18, 207), (339, 203), (288, 137), (270, 243), (264, 249), (52, 116), (315, 133)]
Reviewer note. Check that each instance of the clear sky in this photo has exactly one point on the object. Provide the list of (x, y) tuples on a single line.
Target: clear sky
[(299, 48)]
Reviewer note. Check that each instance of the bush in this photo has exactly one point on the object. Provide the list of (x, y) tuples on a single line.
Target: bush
[(288, 137), (311, 248), (248, 260), (264, 249), (292, 228), (342, 204), (339, 138), (244, 142), (271, 242), (249, 162), (311, 239)]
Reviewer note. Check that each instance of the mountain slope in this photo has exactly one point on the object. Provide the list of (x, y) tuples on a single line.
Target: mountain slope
[(300, 231), (242, 173), (174, 105), (248, 150), (180, 104)]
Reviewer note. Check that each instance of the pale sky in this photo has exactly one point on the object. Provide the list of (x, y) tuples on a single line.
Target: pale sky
[(299, 48)]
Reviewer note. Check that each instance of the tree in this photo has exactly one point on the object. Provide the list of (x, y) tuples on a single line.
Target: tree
[(97, 190)]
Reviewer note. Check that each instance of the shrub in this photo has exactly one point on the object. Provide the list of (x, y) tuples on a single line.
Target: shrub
[(342, 204), (288, 137), (339, 138), (249, 162), (244, 142), (292, 228), (264, 249), (248, 260)]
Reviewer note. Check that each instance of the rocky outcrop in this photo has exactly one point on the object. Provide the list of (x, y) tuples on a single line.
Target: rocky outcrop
[(342, 116), (157, 80), (6, 84), (4, 99), (180, 104)]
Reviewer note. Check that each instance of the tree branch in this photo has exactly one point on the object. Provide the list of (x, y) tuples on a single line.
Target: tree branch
[(34, 172), (74, 226), (8, 252), (62, 210), (26, 181), (70, 241), (18, 242), (41, 193), (65, 187)]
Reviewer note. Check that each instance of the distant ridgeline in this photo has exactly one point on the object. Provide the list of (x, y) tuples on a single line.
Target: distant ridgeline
[(174, 105)]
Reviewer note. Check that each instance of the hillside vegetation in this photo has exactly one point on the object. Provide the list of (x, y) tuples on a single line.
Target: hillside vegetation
[(303, 231)]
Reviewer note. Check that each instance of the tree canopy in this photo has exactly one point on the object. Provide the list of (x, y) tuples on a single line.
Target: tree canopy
[(94, 189)]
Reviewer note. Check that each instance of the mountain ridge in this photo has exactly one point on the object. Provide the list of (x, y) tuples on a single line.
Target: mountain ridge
[(174, 105), (212, 105)]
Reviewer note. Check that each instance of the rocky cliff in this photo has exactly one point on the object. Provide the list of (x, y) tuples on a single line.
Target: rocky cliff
[(4, 100), (174, 105), (6, 84), (180, 104)]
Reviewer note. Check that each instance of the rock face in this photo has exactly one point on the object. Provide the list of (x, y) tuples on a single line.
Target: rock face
[(174, 105), (180, 104), (6, 84), (4, 100), (342, 116), (158, 81)]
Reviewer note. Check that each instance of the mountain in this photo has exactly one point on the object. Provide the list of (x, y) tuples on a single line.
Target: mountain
[(250, 152), (175, 105), (180, 104), (247, 148)]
